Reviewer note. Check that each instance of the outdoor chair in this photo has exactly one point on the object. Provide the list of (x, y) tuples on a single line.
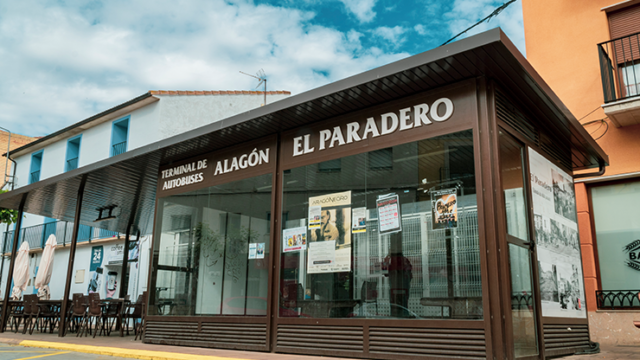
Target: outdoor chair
[(134, 313), (31, 314), (111, 314), (138, 327), (49, 317), (78, 314), (22, 317), (16, 315), (95, 313)]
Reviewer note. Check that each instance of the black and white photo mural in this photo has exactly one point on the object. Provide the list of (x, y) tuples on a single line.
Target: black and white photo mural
[(558, 250)]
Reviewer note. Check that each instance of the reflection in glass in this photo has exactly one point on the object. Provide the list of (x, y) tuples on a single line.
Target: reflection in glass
[(522, 302), (211, 257), (512, 175), (348, 269)]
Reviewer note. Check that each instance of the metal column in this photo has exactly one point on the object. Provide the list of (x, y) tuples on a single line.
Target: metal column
[(125, 262), (72, 254), (14, 249)]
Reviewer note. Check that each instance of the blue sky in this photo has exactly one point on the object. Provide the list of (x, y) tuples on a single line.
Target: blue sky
[(63, 61)]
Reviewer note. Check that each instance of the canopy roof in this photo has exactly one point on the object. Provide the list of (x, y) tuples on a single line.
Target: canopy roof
[(129, 180)]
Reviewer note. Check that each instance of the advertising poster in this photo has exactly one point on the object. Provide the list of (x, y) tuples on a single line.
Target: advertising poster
[(294, 239), (444, 204), (260, 250), (558, 245), (322, 257), (252, 251), (335, 227), (388, 207), (95, 269), (359, 221), (315, 217)]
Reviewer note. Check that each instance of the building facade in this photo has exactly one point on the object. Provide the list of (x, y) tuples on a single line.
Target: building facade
[(381, 216), (6, 169), (588, 52), (149, 118)]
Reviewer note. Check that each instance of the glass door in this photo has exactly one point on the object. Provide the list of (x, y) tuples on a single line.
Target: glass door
[(520, 246)]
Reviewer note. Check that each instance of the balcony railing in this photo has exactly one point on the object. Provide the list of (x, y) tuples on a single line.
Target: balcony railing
[(620, 67), (72, 164), (617, 299), (37, 235), (35, 177), (119, 148)]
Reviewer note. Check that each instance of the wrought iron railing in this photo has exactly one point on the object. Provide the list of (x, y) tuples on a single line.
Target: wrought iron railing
[(119, 148), (617, 299), (620, 67), (72, 164), (35, 177), (37, 235)]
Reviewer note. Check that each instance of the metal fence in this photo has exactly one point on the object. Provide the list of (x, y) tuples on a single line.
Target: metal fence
[(72, 164), (620, 67), (34, 177), (37, 235), (618, 299), (119, 148)]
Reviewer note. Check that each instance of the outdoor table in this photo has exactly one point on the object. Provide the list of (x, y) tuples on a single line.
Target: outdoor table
[(115, 307)]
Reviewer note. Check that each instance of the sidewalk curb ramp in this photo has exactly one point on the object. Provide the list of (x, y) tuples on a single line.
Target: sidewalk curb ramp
[(113, 351)]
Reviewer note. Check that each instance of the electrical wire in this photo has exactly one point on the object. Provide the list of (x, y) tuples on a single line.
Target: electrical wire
[(594, 110), (494, 13)]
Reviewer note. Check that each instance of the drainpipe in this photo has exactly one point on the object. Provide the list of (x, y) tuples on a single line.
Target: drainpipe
[(15, 165), (6, 162)]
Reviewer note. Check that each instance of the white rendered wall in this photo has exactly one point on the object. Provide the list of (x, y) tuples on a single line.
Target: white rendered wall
[(181, 113), (82, 262)]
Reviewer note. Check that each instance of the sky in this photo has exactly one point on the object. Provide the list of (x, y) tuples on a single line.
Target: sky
[(62, 61)]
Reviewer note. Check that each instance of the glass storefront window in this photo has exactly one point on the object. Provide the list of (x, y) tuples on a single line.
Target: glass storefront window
[(615, 211), (211, 256), (337, 261)]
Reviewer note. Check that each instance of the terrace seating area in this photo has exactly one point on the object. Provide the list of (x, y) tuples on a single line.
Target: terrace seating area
[(87, 315)]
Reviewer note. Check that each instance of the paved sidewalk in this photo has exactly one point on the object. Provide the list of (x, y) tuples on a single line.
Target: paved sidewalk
[(127, 347)]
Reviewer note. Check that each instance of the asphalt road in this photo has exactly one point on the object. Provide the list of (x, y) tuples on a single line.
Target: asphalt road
[(13, 352)]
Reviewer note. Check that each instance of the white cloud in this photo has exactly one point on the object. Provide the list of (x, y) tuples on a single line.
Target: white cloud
[(420, 29), (362, 9), (391, 34), (61, 65), (465, 13)]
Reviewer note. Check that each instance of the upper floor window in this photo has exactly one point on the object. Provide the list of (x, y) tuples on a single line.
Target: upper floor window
[(119, 136), (36, 165), (73, 153)]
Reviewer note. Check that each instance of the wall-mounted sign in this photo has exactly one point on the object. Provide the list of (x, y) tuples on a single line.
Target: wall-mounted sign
[(633, 255), (249, 159), (185, 174), (254, 158), (353, 132)]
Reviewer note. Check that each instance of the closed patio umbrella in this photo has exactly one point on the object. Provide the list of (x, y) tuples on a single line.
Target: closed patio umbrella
[(20, 272), (44, 270)]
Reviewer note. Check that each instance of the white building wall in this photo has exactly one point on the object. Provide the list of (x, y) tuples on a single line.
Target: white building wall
[(82, 262)]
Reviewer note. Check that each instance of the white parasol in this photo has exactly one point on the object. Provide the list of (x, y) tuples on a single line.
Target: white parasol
[(20, 271), (46, 267)]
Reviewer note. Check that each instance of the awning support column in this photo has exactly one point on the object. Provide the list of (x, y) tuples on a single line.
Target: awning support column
[(125, 262), (72, 256), (14, 250)]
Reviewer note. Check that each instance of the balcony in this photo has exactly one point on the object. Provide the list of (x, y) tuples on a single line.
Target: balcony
[(72, 164), (34, 177), (620, 73), (37, 235), (119, 148)]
